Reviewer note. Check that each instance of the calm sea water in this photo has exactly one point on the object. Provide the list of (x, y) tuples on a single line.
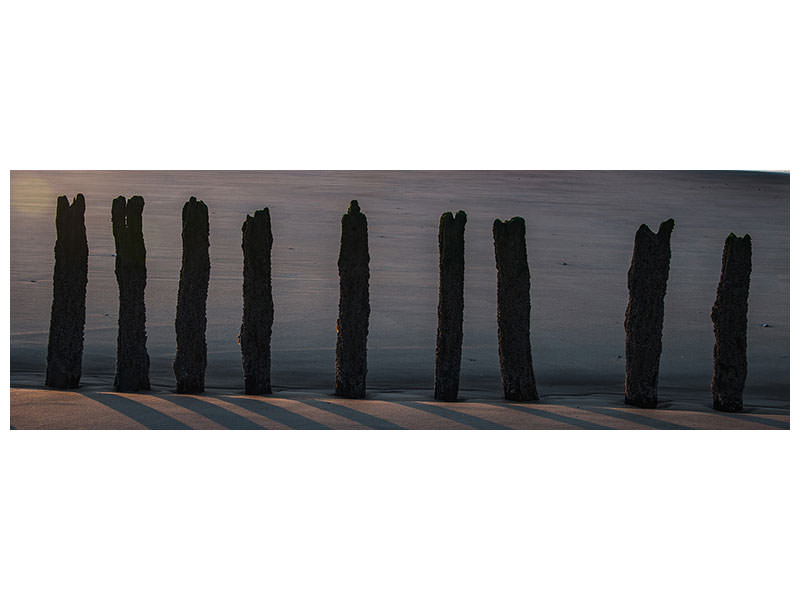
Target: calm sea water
[(580, 228)]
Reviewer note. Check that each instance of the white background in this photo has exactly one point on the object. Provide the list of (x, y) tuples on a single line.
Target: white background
[(365, 85)]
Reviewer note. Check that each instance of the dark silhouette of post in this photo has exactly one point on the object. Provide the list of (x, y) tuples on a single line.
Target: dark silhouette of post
[(450, 332), (133, 363), (258, 310), (729, 316), (190, 317), (514, 310), (68, 313), (353, 323), (644, 317)]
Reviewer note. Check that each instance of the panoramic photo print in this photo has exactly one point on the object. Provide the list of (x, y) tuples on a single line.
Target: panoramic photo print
[(399, 300)]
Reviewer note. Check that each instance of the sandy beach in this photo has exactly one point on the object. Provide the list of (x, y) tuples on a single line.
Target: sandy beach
[(104, 409), (580, 228)]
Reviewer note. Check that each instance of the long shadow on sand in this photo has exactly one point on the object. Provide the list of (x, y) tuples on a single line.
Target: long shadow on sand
[(352, 414), (635, 418), (149, 417), (276, 413), (751, 418), (763, 421), (555, 417), (454, 415), (220, 416)]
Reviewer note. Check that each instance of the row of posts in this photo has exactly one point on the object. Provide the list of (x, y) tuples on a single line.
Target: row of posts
[(647, 285)]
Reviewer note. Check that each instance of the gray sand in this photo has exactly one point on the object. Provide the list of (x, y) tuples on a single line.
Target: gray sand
[(580, 230)]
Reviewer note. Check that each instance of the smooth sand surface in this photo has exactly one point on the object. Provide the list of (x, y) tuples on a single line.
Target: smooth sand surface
[(104, 409), (580, 230)]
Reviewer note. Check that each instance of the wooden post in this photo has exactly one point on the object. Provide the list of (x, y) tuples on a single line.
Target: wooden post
[(68, 313), (190, 316), (729, 316), (352, 325), (258, 313), (514, 310), (644, 317), (450, 334), (133, 363)]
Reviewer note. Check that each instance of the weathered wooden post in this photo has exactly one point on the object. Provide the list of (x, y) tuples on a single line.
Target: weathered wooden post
[(258, 310), (514, 310), (133, 363), (450, 333), (353, 323), (68, 313), (644, 317), (190, 317), (729, 316)]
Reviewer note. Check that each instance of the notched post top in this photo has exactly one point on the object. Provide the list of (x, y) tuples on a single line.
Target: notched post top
[(127, 214), (69, 219), (63, 207), (664, 230), (68, 311), (448, 217), (740, 247), (644, 317)]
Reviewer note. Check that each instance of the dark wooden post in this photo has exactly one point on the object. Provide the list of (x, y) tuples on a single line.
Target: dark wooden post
[(258, 313), (190, 317), (644, 317), (353, 323), (450, 333), (133, 363), (514, 310), (729, 316), (68, 314)]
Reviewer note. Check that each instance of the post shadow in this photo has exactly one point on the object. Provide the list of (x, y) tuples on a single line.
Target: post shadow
[(276, 413), (212, 412), (68, 311), (644, 317), (353, 414), (455, 415), (141, 413)]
